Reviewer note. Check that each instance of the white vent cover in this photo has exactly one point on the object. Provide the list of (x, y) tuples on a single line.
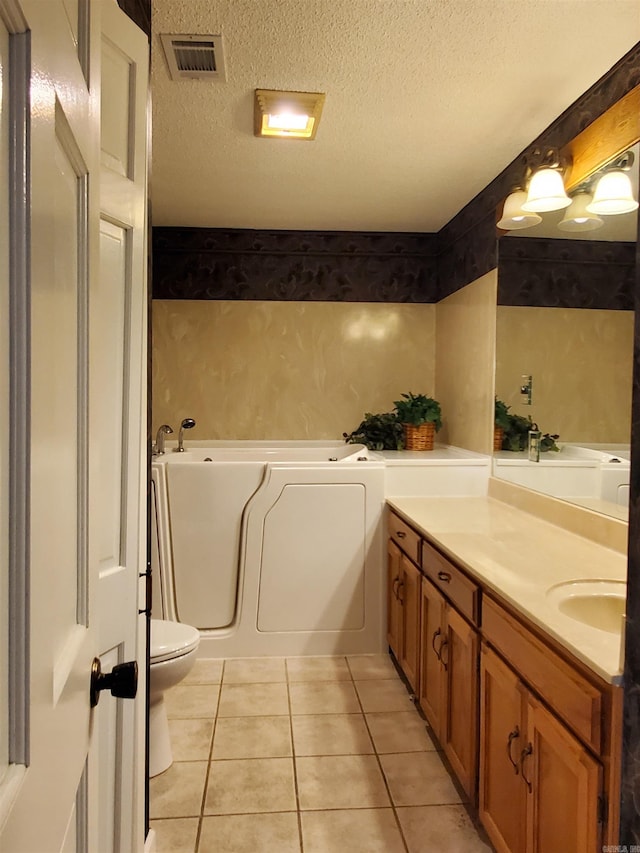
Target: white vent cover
[(194, 57)]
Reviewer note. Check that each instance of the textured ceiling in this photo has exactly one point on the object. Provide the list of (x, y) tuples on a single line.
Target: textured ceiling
[(427, 101)]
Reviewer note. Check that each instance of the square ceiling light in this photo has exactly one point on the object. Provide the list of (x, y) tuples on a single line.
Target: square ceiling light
[(287, 115)]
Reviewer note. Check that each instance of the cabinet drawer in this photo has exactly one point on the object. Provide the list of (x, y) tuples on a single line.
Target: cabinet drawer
[(573, 698), (463, 593), (405, 537)]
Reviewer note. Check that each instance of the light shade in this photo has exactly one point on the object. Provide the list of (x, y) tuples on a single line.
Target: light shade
[(513, 216), (578, 217), (546, 192), (613, 194), (288, 115)]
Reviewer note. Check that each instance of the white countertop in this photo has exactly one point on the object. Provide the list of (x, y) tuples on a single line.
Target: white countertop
[(520, 557)]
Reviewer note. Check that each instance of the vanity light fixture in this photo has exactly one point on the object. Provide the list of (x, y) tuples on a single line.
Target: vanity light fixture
[(613, 193), (287, 115), (546, 191), (578, 216), (514, 217)]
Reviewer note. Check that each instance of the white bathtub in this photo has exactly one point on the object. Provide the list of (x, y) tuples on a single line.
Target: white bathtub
[(271, 549)]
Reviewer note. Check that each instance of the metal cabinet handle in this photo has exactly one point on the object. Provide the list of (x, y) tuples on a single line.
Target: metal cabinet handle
[(436, 634), (523, 756), (444, 576), (444, 645), (401, 534), (396, 581), (398, 596), (513, 736)]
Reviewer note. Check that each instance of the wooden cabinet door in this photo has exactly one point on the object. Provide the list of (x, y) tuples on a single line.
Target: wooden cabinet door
[(564, 783), (394, 608), (502, 792), (459, 658), (409, 595), (431, 693)]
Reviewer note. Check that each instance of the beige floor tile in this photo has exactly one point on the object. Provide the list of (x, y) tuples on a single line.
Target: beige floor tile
[(355, 831), (365, 667), (252, 737), (192, 700), (190, 739), (253, 700), (331, 734), (418, 779), (254, 670), (340, 782), (387, 695), (318, 669), (251, 833), (205, 671), (399, 731), (176, 835), (178, 791), (323, 697), (253, 785), (447, 829)]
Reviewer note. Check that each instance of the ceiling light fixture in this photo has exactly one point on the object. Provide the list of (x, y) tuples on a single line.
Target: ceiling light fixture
[(578, 216), (514, 217), (288, 115), (613, 193)]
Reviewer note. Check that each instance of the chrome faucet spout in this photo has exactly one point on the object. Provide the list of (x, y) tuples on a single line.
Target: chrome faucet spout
[(158, 446), (187, 423)]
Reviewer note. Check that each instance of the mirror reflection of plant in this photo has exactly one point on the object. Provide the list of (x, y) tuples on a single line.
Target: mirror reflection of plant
[(378, 432), (501, 418), (516, 435)]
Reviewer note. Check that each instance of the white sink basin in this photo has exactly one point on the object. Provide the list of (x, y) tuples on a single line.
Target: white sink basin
[(597, 603)]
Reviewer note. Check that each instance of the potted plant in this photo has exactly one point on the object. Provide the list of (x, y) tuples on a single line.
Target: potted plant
[(421, 418), (500, 423), (378, 432)]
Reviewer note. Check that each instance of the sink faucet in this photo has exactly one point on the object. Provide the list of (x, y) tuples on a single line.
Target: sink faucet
[(187, 423), (158, 446)]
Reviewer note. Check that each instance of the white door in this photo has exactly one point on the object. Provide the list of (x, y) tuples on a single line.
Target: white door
[(120, 333), (49, 798)]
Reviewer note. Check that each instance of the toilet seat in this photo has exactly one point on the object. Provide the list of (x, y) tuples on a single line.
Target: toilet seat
[(171, 640)]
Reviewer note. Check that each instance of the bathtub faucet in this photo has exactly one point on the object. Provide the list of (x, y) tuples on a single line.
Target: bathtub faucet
[(158, 447), (187, 423)]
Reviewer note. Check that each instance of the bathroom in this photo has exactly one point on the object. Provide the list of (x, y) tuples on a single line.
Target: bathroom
[(284, 314), (219, 359)]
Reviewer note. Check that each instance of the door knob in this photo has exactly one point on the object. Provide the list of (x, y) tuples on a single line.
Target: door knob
[(122, 681)]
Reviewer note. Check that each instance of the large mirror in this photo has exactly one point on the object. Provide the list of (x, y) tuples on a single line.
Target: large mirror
[(564, 350)]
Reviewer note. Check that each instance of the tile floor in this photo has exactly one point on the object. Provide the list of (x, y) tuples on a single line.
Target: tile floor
[(304, 755)]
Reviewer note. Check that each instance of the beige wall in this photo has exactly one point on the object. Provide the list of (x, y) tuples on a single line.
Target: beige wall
[(581, 363), (286, 370), (465, 358)]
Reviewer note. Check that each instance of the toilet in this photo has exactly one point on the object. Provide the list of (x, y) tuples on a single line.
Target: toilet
[(173, 652)]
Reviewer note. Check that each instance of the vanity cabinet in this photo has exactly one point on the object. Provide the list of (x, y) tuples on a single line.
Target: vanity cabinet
[(540, 788), (533, 735), (403, 607)]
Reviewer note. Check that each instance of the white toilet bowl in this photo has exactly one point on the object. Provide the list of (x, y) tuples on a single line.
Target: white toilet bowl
[(173, 653)]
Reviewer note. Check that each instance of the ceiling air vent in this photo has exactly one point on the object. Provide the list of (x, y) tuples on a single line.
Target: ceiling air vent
[(194, 57)]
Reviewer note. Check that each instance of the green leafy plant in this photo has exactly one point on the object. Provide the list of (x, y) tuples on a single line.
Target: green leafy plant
[(501, 418), (516, 435), (378, 432), (418, 409)]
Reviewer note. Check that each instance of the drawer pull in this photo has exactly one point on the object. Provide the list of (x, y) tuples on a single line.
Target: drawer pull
[(444, 576), (398, 596), (513, 736), (401, 534), (523, 756), (396, 581)]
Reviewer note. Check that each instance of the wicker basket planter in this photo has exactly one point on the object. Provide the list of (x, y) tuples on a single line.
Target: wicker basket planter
[(419, 437), (498, 435)]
